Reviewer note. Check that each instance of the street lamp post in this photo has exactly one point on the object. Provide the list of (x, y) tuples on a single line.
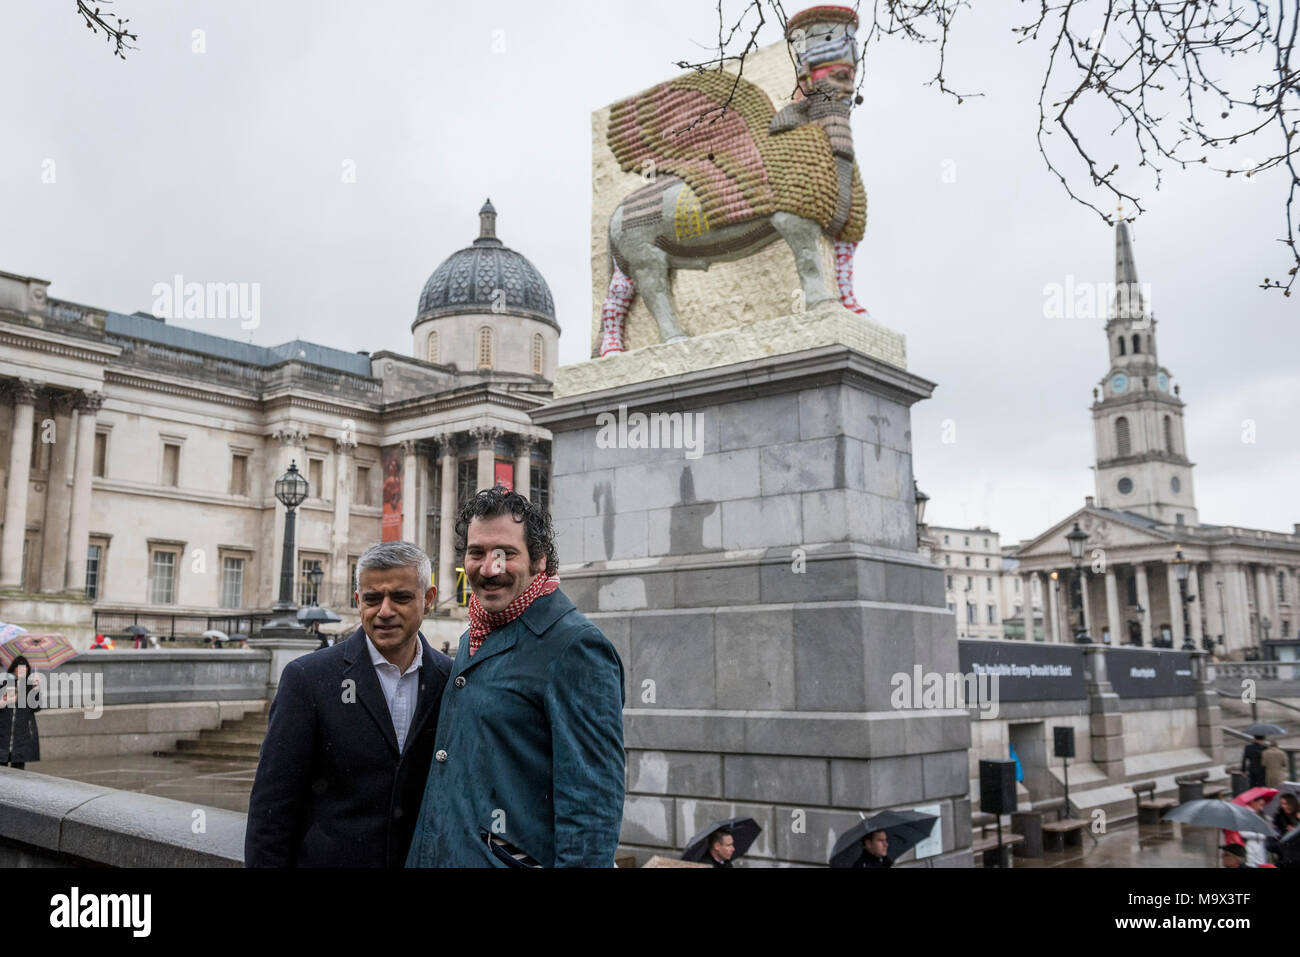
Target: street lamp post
[(1182, 568), (315, 577), (921, 498), (1076, 538), (290, 489)]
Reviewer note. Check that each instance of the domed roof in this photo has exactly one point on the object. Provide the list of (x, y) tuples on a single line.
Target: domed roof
[(468, 280)]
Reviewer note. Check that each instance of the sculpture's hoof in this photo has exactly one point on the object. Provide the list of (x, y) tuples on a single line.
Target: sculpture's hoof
[(677, 339), (611, 352)]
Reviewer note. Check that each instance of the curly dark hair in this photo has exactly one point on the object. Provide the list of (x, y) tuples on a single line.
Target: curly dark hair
[(492, 502)]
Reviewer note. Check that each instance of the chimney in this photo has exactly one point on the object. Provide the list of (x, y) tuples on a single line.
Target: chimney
[(1087, 501), (1297, 529)]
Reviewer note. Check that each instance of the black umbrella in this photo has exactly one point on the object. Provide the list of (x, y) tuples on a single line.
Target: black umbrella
[(1221, 814), (744, 831), (905, 830), (1265, 731), (135, 630), (317, 613)]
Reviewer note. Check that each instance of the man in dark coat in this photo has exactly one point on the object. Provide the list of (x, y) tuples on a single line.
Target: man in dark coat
[(19, 702), (1252, 762), (875, 851), (529, 765), (351, 731), (722, 846)]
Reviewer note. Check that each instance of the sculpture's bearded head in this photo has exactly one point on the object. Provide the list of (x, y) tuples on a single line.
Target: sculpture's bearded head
[(826, 50)]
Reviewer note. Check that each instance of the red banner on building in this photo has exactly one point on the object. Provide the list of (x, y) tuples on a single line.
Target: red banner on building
[(505, 475), (390, 522)]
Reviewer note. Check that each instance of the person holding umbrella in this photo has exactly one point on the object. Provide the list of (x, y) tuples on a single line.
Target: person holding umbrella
[(19, 740), (1234, 855), (1252, 763), (875, 850), (722, 842), (722, 845), (1273, 760), (1255, 842)]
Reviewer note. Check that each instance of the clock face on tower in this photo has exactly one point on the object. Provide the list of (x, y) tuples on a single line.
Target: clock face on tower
[(1162, 380), (1118, 382)]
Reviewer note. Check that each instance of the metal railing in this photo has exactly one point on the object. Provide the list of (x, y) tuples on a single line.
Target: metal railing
[(171, 627)]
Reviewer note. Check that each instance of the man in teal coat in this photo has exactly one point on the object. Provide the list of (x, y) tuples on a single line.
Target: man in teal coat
[(528, 765)]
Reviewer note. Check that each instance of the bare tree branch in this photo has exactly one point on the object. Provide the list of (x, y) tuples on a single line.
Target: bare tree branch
[(115, 32)]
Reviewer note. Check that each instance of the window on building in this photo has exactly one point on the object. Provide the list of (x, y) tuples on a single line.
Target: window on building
[(238, 477), (968, 561), (101, 453), (539, 492), (970, 614), (945, 539), (949, 578), (171, 465), (1121, 345), (1281, 586), (433, 347), (1132, 589), (966, 540), (988, 563), (162, 577), (1137, 344), (310, 594), (93, 553), (986, 543), (992, 614), (947, 559), (352, 583), (1017, 581), (315, 478), (970, 582), (990, 581), (539, 353), (363, 484), (232, 582), (485, 347), (952, 606), (1122, 444), (466, 481), (1169, 434)]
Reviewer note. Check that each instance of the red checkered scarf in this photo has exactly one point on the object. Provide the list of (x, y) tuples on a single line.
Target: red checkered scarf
[(481, 622)]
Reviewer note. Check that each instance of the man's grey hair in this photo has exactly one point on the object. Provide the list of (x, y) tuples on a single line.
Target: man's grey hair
[(384, 555)]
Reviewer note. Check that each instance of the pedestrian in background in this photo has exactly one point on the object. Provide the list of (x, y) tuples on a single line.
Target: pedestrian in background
[(18, 706)]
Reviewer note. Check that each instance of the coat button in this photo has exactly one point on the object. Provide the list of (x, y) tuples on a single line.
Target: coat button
[(441, 755), (460, 681), (397, 812)]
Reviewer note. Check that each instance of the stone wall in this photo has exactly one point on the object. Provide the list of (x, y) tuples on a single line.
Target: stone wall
[(51, 822)]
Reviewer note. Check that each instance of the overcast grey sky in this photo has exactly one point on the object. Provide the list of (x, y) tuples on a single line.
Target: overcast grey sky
[(226, 165)]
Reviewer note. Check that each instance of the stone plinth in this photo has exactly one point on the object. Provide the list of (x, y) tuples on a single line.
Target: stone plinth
[(828, 324), (762, 584)]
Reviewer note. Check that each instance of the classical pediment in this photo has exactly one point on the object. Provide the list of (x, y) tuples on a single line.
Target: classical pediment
[(1106, 529)]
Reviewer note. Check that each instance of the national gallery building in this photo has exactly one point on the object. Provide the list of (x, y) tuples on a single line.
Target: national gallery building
[(140, 458)]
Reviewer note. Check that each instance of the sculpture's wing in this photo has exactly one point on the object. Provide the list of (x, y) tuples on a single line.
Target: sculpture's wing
[(705, 128)]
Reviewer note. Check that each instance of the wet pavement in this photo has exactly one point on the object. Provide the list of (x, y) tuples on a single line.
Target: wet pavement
[(225, 783), (1127, 845), (214, 782)]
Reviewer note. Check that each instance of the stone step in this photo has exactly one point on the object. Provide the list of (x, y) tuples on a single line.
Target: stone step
[(217, 749), (230, 737)]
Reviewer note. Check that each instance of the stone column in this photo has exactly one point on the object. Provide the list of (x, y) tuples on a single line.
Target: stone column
[(1083, 598), (1175, 605), (523, 464), (1194, 607), (447, 520), (1264, 585), (1239, 607), (1112, 608), (88, 405), (51, 571), (1214, 619), (290, 445), (1144, 599), (341, 587), (20, 462), (1027, 605), (486, 437), (409, 503), (1055, 620)]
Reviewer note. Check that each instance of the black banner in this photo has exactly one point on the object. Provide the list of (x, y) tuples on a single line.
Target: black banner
[(1026, 671), (1147, 673)]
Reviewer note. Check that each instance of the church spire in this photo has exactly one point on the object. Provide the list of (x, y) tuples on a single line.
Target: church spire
[(487, 222), (1129, 301)]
